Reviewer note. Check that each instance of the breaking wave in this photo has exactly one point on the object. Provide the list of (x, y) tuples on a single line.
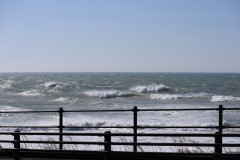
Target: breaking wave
[(50, 84), (108, 94), (150, 88)]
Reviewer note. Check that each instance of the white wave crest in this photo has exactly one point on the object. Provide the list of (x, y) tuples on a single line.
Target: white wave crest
[(31, 93), (50, 84), (66, 100), (220, 98), (107, 94), (150, 89)]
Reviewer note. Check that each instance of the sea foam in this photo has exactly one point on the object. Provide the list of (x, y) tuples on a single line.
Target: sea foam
[(180, 96), (10, 108), (66, 100), (220, 98), (6, 84), (168, 96), (150, 88), (33, 92)]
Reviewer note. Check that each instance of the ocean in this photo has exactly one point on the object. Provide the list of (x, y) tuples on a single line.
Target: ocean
[(79, 91)]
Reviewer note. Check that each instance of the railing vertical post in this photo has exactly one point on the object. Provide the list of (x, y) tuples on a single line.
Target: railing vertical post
[(135, 110), (107, 146), (218, 147), (220, 125), (17, 145), (60, 127)]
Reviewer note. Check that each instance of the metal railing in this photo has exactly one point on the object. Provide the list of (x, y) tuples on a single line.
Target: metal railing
[(107, 143)]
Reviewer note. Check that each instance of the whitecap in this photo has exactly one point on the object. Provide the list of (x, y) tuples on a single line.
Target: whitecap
[(9, 108), (108, 94), (179, 96), (150, 88), (66, 100), (33, 92), (103, 94), (221, 98), (168, 96)]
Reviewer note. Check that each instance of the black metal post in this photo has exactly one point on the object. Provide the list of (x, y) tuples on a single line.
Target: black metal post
[(17, 145), (60, 127), (107, 139), (218, 147), (220, 125), (135, 110), (107, 146)]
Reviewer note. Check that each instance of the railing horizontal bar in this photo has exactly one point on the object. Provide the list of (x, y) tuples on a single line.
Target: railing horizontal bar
[(177, 126), (116, 134), (231, 126), (26, 111), (51, 133), (107, 110), (123, 110), (181, 109), (163, 134), (230, 135), (97, 127), (118, 127), (65, 150), (122, 134), (65, 142), (230, 145), (28, 126), (164, 144)]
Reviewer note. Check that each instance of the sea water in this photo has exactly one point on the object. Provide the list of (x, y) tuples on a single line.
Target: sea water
[(81, 91)]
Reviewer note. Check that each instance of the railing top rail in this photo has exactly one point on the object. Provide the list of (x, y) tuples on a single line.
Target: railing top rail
[(122, 110), (47, 111), (120, 134), (155, 127), (102, 110), (180, 109), (123, 134)]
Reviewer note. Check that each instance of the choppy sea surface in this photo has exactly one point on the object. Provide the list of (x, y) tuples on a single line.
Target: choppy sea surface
[(76, 91)]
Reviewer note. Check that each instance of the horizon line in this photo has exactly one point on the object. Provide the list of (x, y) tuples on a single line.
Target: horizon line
[(109, 72)]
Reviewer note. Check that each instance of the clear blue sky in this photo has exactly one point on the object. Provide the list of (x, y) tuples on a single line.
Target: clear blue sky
[(119, 36)]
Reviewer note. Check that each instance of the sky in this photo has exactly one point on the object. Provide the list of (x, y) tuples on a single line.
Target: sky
[(119, 36)]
